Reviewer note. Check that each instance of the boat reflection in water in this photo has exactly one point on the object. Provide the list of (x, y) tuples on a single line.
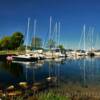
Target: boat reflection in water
[(83, 72)]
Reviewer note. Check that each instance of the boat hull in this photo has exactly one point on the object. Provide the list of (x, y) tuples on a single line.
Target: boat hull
[(24, 59)]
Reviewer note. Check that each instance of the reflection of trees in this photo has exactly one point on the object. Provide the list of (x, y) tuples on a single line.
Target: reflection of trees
[(15, 69)]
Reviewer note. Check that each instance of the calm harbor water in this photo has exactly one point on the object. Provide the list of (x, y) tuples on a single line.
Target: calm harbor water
[(83, 71)]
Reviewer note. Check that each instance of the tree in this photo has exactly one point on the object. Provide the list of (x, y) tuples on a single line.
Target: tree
[(5, 43), (21, 48), (36, 43), (17, 39), (61, 47), (0, 44), (51, 43)]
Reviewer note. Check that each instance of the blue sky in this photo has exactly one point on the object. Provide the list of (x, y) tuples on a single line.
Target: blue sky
[(72, 14)]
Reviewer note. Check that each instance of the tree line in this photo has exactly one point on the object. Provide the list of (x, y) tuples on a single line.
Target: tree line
[(11, 42), (16, 42)]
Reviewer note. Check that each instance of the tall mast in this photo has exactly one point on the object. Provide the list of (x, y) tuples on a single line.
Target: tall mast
[(27, 33), (56, 34), (89, 39), (50, 28), (92, 39), (81, 39), (59, 33), (97, 41), (84, 36), (34, 32)]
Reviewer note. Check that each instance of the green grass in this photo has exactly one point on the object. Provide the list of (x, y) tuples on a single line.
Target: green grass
[(52, 96), (45, 96), (2, 52)]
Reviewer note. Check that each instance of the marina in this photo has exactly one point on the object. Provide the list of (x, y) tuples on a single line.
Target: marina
[(49, 49), (34, 70)]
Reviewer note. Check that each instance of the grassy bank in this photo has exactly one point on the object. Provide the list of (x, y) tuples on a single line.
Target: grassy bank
[(3, 52), (52, 96), (55, 95), (41, 96)]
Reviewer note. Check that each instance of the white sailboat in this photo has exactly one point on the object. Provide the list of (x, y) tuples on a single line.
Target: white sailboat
[(58, 52), (91, 51), (38, 54), (54, 52), (97, 50), (80, 52), (26, 56), (49, 54)]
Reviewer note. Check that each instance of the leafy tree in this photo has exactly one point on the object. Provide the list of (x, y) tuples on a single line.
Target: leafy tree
[(61, 47), (51, 43), (36, 43), (21, 48), (0, 44), (17, 39), (5, 43), (11, 42)]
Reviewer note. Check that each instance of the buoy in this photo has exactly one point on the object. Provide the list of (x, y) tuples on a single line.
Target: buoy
[(14, 93), (36, 86), (10, 87), (23, 85), (51, 79), (9, 58)]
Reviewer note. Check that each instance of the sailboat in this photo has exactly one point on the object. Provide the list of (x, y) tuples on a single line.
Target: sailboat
[(37, 53), (49, 54), (26, 56), (58, 52), (54, 52), (91, 52), (83, 52), (97, 50)]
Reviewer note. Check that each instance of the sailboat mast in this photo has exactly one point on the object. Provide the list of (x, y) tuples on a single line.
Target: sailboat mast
[(50, 28), (96, 42), (59, 33), (92, 39), (56, 34), (81, 40), (27, 34), (34, 33), (84, 36)]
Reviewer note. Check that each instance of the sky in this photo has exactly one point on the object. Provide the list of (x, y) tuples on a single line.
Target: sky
[(72, 14)]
